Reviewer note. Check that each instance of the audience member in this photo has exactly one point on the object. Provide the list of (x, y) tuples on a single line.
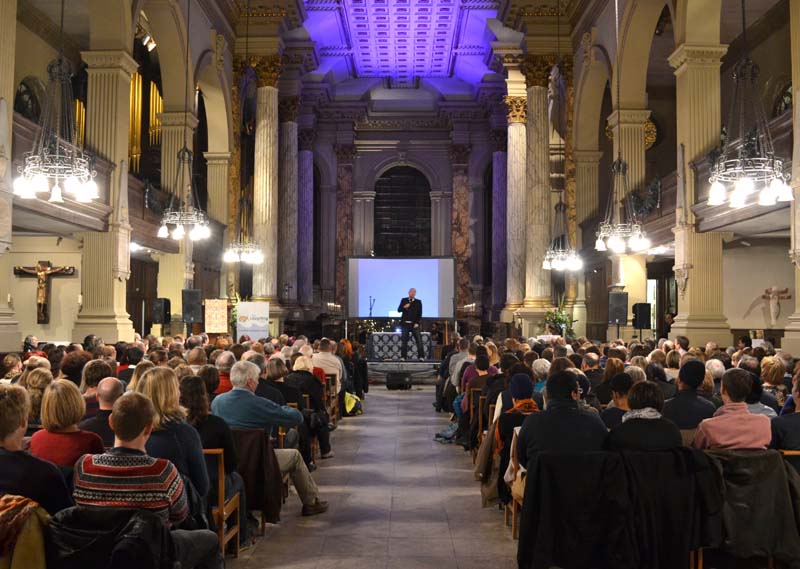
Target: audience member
[(12, 367), (786, 430), (32, 363), (224, 363), (108, 391), (38, 380), (772, 376), (138, 372), (686, 409), (613, 367), (753, 400), (620, 385), (658, 375), (521, 390), (134, 355), (210, 376), (643, 428), (93, 373)]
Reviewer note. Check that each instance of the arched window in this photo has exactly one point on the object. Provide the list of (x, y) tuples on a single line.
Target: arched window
[(28, 99), (784, 101), (402, 213)]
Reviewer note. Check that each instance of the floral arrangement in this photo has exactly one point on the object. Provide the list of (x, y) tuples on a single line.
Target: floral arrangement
[(559, 319)]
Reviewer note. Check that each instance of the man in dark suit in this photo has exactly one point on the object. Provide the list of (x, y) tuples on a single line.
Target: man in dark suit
[(411, 310)]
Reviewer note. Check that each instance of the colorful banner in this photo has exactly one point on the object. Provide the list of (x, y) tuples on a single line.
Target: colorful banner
[(252, 319), (216, 315)]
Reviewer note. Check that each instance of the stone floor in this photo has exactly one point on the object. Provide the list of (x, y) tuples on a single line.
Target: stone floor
[(397, 500)]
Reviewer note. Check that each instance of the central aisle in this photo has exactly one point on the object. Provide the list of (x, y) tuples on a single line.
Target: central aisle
[(397, 500)]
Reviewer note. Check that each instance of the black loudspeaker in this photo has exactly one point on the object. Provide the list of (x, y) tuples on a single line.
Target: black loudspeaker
[(398, 380), (192, 300), (618, 308), (641, 316), (162, 312)]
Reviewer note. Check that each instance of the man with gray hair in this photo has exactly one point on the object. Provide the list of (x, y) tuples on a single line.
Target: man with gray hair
[(264, 388), (242, 409), (717, 369), (224, 364)]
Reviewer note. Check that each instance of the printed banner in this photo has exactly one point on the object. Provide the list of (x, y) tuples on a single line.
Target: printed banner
[(252, 319), (216, 315)]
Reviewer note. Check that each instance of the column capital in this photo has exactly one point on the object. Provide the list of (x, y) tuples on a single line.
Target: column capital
[(288, 108), (459, 154), (306, 138), (516, 109), (178, 119), (537, 68), (218, 158), (629, 117), (345, 153), (364, 195), (499, 138), (704, 55), (268, 69), (587, 156), (110, 60)]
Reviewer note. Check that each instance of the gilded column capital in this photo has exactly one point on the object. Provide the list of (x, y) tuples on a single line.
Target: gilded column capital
[(516, 109), (288, 108), (537, 68), (459, 154), (306, 138), (499, 138), (268, 69), (345, 153), (704, 55)]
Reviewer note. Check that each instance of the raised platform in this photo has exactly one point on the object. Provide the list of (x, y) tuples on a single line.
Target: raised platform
[(422, 373)]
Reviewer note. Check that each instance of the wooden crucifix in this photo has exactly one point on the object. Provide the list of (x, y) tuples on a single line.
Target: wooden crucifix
[(43, 271)]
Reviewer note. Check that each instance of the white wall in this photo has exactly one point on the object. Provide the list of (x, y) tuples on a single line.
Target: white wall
[(64, 290), (747, 272)]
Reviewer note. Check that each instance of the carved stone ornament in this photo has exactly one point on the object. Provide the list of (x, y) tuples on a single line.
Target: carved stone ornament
[(306, 138), (268, 69), (499, 138), (516, 109), (682, 277), (459, 154), (345, 153), (536, 69), (288, 108), (794, 255)]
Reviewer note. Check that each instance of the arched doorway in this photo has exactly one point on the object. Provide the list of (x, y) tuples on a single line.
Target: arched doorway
[(402, 213)]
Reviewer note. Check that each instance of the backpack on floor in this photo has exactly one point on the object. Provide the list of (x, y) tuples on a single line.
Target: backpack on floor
[(352, 405)]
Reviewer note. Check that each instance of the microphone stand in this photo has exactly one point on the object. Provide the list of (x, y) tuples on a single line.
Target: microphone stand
[(371, 304)]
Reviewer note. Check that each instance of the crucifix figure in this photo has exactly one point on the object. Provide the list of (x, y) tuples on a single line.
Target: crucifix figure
[(774, 295), (43, 271)]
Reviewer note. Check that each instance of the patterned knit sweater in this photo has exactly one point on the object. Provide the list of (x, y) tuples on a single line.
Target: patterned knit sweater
[(127, 478)]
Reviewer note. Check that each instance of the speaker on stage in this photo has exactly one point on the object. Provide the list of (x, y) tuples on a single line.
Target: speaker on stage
[(641, 316), (192, 300), (618, 308), (398, 380), (162, 312)]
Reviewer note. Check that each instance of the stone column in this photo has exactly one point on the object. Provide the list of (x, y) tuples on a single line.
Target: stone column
[(305, 219), (105, 263), (345, 156), (363, 222), (516, 210), (459, 225), (327, 246), (218, 175), (629, 272), (441, 205), (10, 336), (265, 186), (287, 216), (538, 297), (587, 177), (698, 256), (499, 212)]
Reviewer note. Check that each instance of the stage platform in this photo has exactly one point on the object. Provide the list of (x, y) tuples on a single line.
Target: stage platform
[(422, 373)]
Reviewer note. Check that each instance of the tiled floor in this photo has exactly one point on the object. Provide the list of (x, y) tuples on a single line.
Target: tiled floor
[(397, 500)]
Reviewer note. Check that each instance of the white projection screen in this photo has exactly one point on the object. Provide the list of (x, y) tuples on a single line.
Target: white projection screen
[(388, 280)]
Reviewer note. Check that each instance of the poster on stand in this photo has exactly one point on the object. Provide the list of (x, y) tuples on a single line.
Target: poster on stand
[(216, 315), (252, 319)]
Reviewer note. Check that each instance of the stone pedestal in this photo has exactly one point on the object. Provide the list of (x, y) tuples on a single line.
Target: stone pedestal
[(288, 204), (305, 219), (345, 156), (698, 256)]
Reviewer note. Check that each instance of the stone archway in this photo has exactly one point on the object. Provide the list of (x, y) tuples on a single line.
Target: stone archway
[(402, 214)]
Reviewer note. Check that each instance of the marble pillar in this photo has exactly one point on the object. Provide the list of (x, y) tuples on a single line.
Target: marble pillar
[(698, 256), (218, 166), (460, 221), (10, 335), (327, 247), (287, 209), (305, 219), (105, 263), (516, 209), (363, 223), (265, 183), (345, 157), (441, 205), (791, 339), (499, 212), (587, 177)]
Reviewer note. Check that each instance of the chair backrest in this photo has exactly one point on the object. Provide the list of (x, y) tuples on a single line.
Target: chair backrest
[(292, 405), (789, 452), (220, 456), (307, 400), (492, 409), (471, 395), (481, 405), (687, 435)]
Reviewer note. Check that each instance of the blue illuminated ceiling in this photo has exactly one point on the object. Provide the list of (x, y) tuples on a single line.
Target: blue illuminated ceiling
[(402, 42)]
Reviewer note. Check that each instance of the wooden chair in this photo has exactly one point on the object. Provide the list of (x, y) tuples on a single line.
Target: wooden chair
[(471, 399), (333, 397), (515, 506), (492, 409), (314, 442), (225, 508), (481, 405)]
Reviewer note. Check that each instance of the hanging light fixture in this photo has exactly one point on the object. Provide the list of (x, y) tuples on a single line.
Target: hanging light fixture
[(244, 249), (560, 255), (620, 229), (56, 164), (739, 173), (185, 215)]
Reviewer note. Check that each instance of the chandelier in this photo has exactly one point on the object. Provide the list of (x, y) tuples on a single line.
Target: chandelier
[(752, 167), (560, 255), (55, 157), (620, 229), (185, 214), (244, 249)]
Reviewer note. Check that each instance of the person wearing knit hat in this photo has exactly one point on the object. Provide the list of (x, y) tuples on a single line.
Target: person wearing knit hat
[(521, 389), (687, 408)]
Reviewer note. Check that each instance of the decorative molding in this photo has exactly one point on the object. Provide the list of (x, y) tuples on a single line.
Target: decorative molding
[(306, 139), (288, 108), (46, 29), (517, 109), (459, 154), (322, 5), (220, 47), (335, 51), (268, 69), (697, 54), (179, 119), (650, 133), (110, 60), (682, 277), (410, 124), (345, 153), (536, 69)]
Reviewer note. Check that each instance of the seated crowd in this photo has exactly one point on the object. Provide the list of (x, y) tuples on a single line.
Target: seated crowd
[(583, 397), (90, 428)]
